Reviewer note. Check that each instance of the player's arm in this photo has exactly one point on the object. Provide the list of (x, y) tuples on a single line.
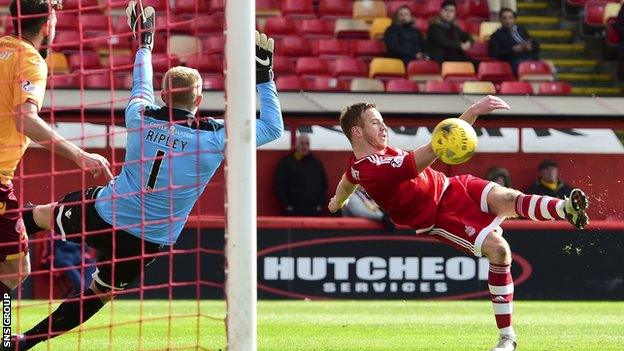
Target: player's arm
[(142, 21), (424, 155), (270, 126), (344, 189), (27, 120)]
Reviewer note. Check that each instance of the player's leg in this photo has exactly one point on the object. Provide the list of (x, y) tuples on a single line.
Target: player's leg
[(13, 272), (501, 287), (511, 203)]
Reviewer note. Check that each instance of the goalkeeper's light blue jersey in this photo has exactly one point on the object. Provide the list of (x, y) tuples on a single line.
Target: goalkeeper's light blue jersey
[(168, 165)]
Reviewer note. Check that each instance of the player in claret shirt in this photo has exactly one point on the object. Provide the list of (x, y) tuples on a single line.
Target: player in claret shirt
[(463, 211)]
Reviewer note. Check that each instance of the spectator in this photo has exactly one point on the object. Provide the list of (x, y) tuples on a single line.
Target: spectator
[(361, 205), (619, 29), (511, 42), (499, 175), (301, 182), (446, 42), (496, 5), (403, 40), (548, 182)]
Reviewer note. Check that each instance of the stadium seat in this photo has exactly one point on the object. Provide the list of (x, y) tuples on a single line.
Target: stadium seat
[(184, 46), (516, 88), (431, 8), (611, 11), (123, 81), (350, 68), (393, 5), (351, 29), (441, 87), (161, 62), (177, 24), (206, 65), (328, 84), (369, 9), (366, 85), (472, 87), (311, 66), (495, 71), (279, 27), (67, 21), (64, 41), (423, 70), (213, 83), (96, 80), (293, 46), (158, 5), (267, 8), (58, 63), (283, 65), (613, 37), (486, 29), (479, 51), (332, 48), (386, 68), (555, 88), (290, 83), (95, 22), (214, 45), (204, 24), (332, 9), (594, 13), (457, 69), (189, 7), (62, 81), (402, 86), (379, 26), (120, 63), (88, 60), (421, 24), (216, 7), (316, 29), (83, 5), (473, 8), (297, 9), (367, 49), (535, 71)]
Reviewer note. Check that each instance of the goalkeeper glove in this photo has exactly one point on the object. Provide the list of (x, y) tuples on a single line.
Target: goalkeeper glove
[(142, 21), (264, 58)]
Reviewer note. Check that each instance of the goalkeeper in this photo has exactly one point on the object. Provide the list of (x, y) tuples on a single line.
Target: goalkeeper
[(170, 157)]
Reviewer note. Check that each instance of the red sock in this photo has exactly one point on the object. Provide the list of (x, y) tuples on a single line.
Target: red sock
[(501, 293), (539, 208)]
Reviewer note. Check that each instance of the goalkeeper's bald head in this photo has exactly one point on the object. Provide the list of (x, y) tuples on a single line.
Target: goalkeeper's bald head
[(182, 88)]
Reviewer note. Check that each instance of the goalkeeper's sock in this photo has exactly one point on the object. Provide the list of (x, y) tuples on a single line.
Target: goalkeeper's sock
[(29, 219), (66, 317), (501, 294), (540, 208)]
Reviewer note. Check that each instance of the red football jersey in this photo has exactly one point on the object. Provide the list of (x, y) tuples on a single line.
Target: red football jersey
[(391, 179)]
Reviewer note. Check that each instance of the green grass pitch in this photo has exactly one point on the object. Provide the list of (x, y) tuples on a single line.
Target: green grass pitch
[(344, 325)]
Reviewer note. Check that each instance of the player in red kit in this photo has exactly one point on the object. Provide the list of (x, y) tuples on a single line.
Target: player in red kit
[(463, 211)]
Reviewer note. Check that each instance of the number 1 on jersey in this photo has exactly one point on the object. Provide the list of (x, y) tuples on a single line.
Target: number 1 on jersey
[(151, 181)]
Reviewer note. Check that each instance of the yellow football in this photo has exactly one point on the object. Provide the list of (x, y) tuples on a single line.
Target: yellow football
[(454, 141)]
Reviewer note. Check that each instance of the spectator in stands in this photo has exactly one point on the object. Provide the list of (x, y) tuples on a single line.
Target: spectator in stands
[(511, 42), (403, 40), (446, 41), (301, 182), (361, 205), (496, 5), (499, 175), (619, 29), (548, 182)]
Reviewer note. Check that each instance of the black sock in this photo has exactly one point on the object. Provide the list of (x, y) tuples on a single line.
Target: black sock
[(66, 317), (4, 289), (29, 220)]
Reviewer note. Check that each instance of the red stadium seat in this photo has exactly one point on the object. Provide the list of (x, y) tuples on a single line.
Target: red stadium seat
[(394, 5), (612, 35), (495, 71), (473, 8), (67, 21), (335, 9), (190, 7), (516, 88), (298, 9), (266, 8), (402, 86), (555, 88), (283, 65), (421, 24), (290, 83), (64, 41), (214, 45), (422, 70), (368, 48), (121, 62), (96, 80), (89, 60), (431, 8), (63, 81), (351, 29), (350, 68), (95, 22), (293, 46), (480, 52), (158, 5), (206, 64), (279, 27), (216, 7), (316, 29), (208, 25), (332, 48), (311, 66), (162, 62), (435, 86), (594, 12), (213, 83), (535, 71), (328, 84)]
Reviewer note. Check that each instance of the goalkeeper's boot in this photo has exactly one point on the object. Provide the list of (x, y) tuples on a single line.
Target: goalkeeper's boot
[(505, 343), (575, 208)]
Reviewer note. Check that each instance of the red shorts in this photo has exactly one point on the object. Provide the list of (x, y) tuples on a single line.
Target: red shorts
[(13, 238), (463, 218)]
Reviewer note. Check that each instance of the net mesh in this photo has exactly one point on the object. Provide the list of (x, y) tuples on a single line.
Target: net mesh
[(90, 70)]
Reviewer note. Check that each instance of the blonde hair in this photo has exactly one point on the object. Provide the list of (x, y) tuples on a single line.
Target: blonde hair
[(182, 85)]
